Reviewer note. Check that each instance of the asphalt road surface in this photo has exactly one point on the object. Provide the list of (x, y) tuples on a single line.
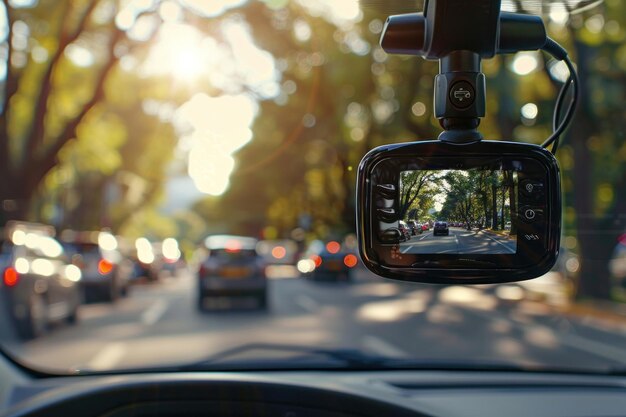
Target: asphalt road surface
[(459, 241), (159, 325)]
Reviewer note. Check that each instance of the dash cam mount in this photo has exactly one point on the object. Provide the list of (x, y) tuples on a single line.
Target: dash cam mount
[(460, 33)]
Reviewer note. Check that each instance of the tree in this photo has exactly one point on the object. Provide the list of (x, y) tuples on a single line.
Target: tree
[(29, 150), (596, 144), (417, 189)]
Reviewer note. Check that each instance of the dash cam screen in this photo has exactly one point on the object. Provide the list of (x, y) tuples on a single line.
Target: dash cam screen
[(458, 212)]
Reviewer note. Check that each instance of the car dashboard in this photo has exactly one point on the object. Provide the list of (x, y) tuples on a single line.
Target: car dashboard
[(313, 393)]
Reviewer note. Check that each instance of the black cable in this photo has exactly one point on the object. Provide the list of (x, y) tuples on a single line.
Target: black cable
[(558, 109), (560, 53)]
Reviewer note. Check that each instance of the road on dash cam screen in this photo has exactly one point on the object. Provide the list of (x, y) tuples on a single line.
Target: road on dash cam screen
[(458, 212)]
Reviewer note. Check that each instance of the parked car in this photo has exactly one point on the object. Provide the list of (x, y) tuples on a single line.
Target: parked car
[(278, 251), (232, 268), (425, 227), (106, 274), (404, 228), (441, 228), (617, 266), (414, 227), (39, 287), (330, 261), (168, 259)]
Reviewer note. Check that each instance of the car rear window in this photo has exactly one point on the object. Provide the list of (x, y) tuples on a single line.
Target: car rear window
[(233, 254)]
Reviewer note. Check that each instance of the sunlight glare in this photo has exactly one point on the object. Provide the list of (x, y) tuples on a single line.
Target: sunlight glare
[(558, 13), (256, 66), (211, 8), (212, 128), (170, 11), (217, 114), (80, 56), (179, 51), (210, 169), (337, 12), (525, 63)]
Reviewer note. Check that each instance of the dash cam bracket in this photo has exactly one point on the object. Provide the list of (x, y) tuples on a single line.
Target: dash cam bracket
[(459, 34)]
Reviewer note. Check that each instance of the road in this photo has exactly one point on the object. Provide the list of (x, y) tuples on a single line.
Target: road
[(459, 241), (159, 325)]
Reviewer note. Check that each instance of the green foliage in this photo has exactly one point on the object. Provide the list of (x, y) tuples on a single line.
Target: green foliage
[(73, 126)]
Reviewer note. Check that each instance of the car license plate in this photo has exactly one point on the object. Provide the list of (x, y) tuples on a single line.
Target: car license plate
[(334, 265), (234, 272)]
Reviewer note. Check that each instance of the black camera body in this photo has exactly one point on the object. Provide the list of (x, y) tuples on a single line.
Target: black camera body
[(482, 188)]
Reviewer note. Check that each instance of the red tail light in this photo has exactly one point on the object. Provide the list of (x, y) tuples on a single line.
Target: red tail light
[(104, 267), (317, 259), (11, 277), (333, 247), (350, 260)]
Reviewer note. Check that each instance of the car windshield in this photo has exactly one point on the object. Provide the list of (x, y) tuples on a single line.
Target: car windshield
[(185, 174)]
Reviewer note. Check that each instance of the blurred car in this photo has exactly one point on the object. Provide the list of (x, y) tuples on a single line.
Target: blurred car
[(145, 262), (168, 258), (232, 268), (106, 274), (414, 227), (425, 227), (617, 265), (441, 228), (404, 229), (38, 285), (331, 261), (278, 251)]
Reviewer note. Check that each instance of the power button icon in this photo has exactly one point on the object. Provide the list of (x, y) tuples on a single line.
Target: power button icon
[(530, 214)]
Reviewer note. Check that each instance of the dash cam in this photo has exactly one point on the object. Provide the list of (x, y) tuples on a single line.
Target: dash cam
[(461, 209), (446, 213)]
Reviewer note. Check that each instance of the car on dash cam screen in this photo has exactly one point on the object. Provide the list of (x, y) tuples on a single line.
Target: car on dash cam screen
[(465, 211)]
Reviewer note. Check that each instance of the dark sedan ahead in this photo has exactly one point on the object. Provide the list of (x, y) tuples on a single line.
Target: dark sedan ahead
[(232, 269), (441, 228)]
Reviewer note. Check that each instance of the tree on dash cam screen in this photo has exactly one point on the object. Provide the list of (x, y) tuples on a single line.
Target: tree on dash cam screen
[(458, 211)]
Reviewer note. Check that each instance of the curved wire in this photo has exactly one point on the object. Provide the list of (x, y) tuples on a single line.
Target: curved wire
[(559, 127)]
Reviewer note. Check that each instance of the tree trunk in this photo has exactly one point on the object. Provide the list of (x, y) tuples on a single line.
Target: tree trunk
[(502, 217), (513, 203), (595, 248), (494, 207)]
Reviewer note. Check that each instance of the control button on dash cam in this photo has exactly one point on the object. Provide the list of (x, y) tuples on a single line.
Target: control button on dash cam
[(530, 214), (462, 94), (531, 188)]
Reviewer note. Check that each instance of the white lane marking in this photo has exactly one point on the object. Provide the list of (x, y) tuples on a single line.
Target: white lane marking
[(108, 356), (498, 242), (456, 239), (407, 249), (574, 341), (424, 237), (307, 303), (382, 347), (155, 312)]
